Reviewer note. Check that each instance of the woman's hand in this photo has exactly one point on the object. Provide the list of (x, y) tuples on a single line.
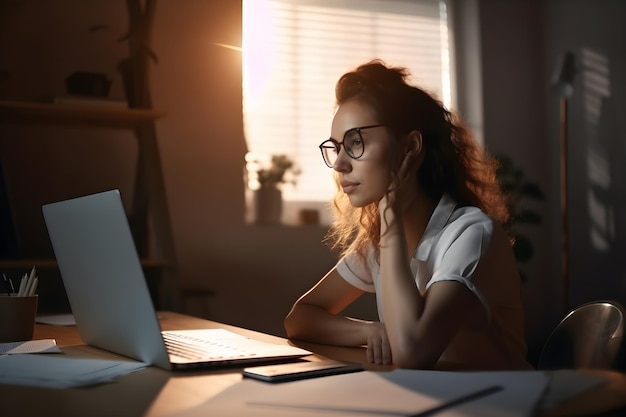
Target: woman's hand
[(401, 194), (378, 348)]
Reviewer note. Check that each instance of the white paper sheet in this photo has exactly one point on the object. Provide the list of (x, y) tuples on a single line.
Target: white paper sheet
[(397, 393), (31, 346), (61, 371), (57, 319)]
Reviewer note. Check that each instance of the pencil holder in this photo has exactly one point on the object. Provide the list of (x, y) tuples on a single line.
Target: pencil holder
[(17, 317)]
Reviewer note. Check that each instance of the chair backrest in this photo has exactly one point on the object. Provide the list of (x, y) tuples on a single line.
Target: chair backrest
[(590, 336)]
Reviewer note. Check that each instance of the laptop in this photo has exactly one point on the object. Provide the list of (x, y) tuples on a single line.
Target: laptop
[(110, 300)]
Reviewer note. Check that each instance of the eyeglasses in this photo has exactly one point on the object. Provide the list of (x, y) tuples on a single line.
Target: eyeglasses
[(352, 142)]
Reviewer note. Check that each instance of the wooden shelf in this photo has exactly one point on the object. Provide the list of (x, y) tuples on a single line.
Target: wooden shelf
[(49, 263), (75, 114)]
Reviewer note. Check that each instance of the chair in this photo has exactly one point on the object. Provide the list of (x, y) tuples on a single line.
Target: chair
[(590, 336)]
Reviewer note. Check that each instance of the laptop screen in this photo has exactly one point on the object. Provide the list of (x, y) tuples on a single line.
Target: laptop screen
[(103, 276)]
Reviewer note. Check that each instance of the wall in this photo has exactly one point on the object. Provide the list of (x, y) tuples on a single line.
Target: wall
[(256, 272), (522, 44), (514, 119), (597, 142)]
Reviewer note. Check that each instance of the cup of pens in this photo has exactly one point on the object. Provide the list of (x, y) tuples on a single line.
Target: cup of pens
[(18, 308)]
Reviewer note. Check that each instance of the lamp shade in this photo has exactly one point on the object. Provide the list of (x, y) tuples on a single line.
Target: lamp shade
[(563, 82)]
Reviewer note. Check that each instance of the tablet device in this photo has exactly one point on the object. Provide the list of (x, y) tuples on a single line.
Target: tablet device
[(299, 370)]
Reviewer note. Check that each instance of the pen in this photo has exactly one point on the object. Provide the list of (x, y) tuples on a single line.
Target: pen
[(464, 399), (8, 284), (20, 292), (32, 274), (33, 286), (33, 280), (28, 284)]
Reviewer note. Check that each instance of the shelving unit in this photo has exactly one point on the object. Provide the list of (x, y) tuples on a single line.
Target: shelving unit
[(74, 114), (149, 199)]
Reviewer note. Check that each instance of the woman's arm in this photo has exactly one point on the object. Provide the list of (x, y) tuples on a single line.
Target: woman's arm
[(419, 327), (315, 317)]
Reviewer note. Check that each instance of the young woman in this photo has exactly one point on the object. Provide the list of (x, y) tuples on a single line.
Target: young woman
[(417, 216)]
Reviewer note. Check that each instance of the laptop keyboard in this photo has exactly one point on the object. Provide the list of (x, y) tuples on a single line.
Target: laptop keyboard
[(198, 348)]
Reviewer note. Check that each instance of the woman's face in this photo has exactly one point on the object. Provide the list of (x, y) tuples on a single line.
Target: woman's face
[(366, 179)]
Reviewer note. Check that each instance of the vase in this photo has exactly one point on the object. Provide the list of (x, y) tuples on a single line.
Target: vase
[(268, 205)]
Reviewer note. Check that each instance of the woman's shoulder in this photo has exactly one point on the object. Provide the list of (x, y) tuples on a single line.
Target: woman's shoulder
[(463, 218), (459, 213), (452, 222)]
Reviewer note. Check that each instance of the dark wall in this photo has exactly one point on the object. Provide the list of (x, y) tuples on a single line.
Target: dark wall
[(595, 34), (523, 42), (514, 87)]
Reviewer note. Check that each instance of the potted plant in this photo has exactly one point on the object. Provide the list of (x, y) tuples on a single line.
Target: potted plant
[(519, 190), (281, 170), (267, 195)]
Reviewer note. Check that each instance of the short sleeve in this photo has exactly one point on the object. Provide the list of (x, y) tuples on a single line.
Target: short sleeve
[(459, 251), (464, 251), (353, 269)]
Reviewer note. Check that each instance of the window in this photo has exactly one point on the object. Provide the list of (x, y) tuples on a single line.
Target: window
[(294, 51)]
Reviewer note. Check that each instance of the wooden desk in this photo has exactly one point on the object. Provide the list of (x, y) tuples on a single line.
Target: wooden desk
[(154, 392)]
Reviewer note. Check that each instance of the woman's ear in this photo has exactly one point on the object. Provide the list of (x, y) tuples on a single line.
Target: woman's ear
[(415, 142)]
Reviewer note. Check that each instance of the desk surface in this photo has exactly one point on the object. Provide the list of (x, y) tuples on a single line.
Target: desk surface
[(154, 392)]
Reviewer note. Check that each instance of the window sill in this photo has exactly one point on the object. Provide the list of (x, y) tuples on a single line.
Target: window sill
[(296, 213)]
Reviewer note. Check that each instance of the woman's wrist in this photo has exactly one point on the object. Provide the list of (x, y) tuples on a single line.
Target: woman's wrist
[(391, 231)]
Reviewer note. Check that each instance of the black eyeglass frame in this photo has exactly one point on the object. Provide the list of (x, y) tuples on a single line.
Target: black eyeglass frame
[(337, 145)]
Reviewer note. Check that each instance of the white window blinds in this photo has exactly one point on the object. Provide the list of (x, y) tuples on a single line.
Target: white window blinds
[(294, 51)]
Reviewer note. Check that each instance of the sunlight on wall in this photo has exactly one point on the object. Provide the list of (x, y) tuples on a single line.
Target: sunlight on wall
[(256, 41), (294, 51), (596, 87)]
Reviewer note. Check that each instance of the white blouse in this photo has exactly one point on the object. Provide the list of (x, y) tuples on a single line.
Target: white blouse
[(453, 244)]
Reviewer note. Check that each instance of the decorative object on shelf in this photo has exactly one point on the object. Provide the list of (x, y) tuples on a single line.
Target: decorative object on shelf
[(517, 188), (88, 84), (134, 69), (266, 183), (308, 217)]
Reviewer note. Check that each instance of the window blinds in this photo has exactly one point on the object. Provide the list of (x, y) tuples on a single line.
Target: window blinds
[(294, 51)]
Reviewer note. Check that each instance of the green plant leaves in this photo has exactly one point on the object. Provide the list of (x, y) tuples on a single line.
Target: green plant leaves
[(518, 191)]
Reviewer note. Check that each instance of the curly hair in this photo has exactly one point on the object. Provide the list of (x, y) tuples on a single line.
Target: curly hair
[(454, 163)]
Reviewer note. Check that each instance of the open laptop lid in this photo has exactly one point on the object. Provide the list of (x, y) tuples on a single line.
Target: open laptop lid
[(103, 276)]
